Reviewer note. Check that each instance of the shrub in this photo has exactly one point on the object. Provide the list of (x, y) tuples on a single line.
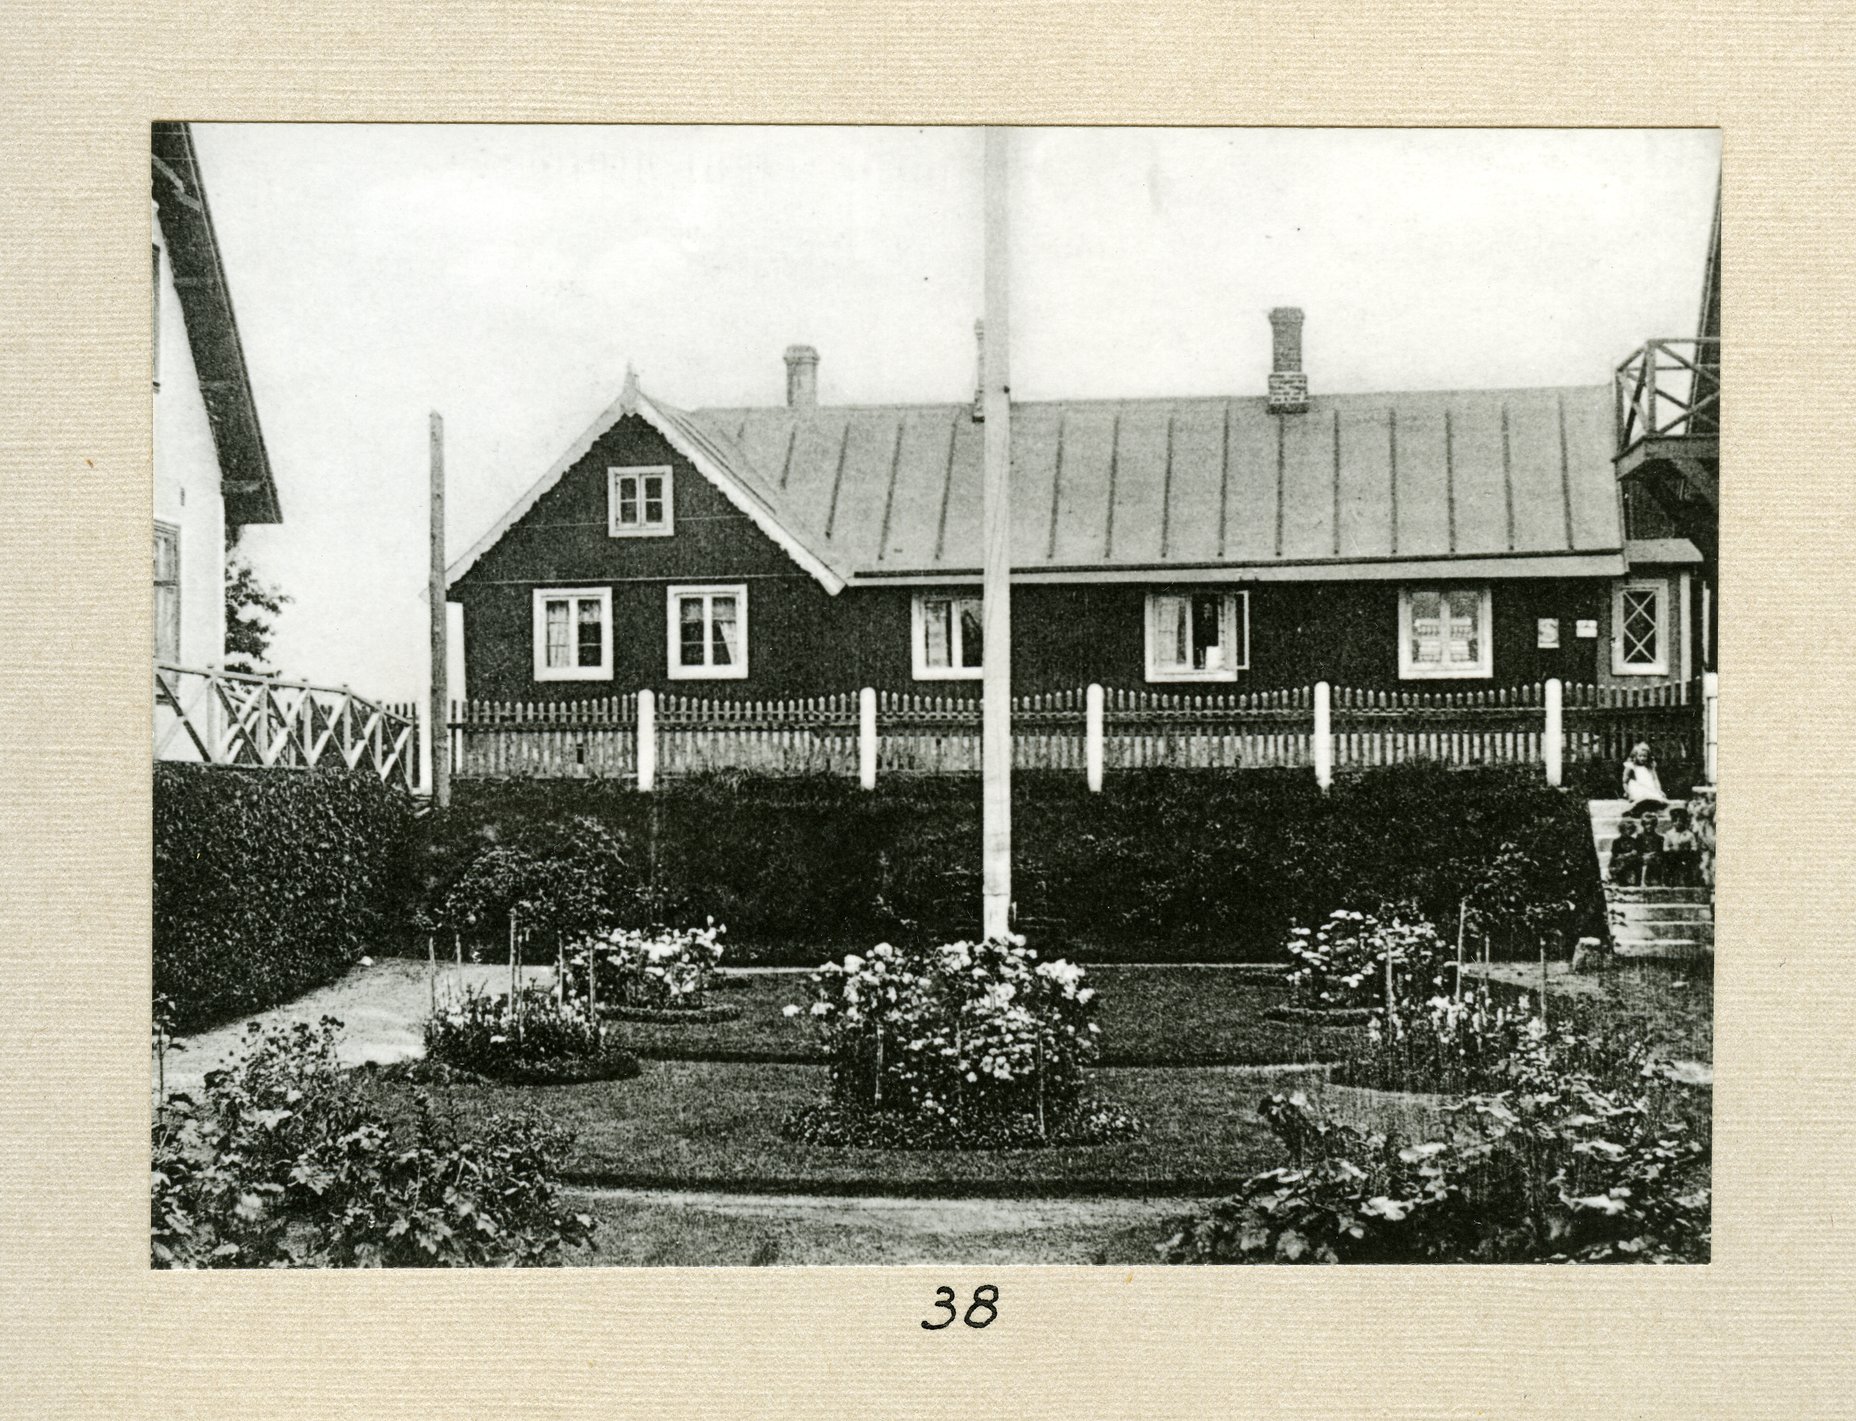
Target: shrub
[(663, 970), (958, 1043), (540, 1042), (288, 1162), (269, 883), (1162, 865), (1343, 963), (1574, 1173), (558, 879)]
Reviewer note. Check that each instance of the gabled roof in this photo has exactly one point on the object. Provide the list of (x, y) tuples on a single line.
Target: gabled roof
[(245, 478), (1518, 480), (715, 459), (1471, 483)]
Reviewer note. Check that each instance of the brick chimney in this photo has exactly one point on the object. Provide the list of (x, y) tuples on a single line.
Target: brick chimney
[(801, 377), (1288, 383)]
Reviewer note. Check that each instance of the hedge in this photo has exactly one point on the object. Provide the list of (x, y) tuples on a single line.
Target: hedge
[(1195, 865), (271, 882)]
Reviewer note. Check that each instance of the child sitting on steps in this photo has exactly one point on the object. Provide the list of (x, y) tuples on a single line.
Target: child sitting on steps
[(1633, 853)]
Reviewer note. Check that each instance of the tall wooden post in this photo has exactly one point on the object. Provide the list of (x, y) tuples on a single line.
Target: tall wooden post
[(996, 532), (439, 733)]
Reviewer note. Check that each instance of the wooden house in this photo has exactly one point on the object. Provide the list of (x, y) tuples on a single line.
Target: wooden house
[(1429, 539)]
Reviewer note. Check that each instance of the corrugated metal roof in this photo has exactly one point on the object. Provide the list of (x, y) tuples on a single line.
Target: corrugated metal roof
[(1153, 484)]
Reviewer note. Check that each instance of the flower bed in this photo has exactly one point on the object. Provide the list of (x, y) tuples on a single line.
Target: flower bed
[(1349, 961), (664, 974), (540, 1042), (963, 1045)]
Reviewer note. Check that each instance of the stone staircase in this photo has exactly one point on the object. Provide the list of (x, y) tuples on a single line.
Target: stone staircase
[(1650, 922)]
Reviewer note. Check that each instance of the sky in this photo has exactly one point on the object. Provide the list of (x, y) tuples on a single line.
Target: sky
[(504, 276)]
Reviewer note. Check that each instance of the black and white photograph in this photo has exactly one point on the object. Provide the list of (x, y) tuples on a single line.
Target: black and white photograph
[(734, 696)]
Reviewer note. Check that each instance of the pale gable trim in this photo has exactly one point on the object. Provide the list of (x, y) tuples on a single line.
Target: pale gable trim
[(633, 400)]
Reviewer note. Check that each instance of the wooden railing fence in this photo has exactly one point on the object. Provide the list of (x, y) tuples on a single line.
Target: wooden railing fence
[(928, 733), (262, 722)]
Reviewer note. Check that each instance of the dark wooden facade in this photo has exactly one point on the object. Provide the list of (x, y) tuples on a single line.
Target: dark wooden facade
[(803, 641)]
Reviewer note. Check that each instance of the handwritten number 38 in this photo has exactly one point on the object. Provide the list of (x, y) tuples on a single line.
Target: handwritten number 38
[(985, 1300)]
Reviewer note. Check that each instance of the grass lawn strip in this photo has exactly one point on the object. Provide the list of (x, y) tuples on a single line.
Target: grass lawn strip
[(1150, 1016), (716, 1125)]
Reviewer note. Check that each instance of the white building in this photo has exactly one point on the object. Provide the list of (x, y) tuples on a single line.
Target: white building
[(212, 475)]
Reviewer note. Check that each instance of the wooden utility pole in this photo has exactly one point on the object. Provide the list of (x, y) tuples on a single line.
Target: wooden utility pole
[(996, 518), (438, 733)]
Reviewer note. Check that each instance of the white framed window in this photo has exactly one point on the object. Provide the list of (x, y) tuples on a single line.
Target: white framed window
[(638, 502), (1444, 633), (1197, 636), (1640, 628), (709, 633), (573, 634), (948, 637), (167, 592)]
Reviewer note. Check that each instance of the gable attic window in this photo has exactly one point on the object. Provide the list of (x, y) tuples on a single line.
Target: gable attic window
[(709, 633), (638, 502), (1443, 634), (1197, 636), (948, 637), (1640, 628), (573, 634)]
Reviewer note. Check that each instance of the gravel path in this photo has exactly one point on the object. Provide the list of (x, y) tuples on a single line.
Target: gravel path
[(907, 1216), (382, 1008)]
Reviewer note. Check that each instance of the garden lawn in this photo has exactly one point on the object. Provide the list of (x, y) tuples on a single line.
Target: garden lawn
[(1150, 1016), (716, 1125)]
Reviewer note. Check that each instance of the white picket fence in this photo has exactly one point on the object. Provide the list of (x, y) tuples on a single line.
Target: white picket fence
[(644, 735)]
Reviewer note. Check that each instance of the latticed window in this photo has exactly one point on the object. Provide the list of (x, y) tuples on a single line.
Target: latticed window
[(1444, 632), (167, 593), (573, 635), (639, 501), (1638, 617), (950, 638), (708, 633)]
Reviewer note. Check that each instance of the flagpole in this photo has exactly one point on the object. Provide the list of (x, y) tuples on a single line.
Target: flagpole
[(996, 685), (438, 733)]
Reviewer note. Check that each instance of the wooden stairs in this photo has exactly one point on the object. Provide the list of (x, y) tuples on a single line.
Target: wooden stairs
[(1675, 923)]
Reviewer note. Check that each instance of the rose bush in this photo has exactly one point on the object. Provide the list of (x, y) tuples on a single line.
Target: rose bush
[(1342, 963), (540, 1042), (663, 969), (960, 1044)]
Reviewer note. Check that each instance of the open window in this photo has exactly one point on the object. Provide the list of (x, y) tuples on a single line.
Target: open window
[(1640, 628), (1444, 633), (949, 637), (638, 502), (709, 633), (1197, 636), (573, 634)]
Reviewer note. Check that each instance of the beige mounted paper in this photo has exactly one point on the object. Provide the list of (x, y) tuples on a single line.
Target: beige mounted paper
[(941, 769)]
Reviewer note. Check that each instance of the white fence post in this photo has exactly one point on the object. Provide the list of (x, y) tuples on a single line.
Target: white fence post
[(647, 740), (1323, 738), (1553, 742), (1092, 736), (866, 738), (1710, 720)]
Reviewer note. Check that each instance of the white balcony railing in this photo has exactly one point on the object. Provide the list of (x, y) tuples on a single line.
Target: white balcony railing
[(229, 718)]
